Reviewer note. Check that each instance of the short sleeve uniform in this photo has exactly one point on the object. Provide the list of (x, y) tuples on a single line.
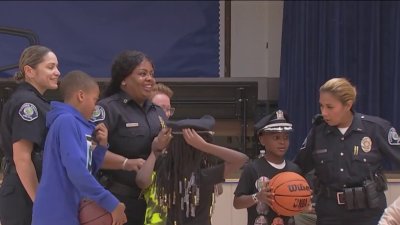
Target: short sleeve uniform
[(131, 130), (23, 118), (347, 160), (246, 186), (335, 156)]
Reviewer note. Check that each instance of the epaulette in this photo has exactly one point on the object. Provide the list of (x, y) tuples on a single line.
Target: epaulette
[(111, 98), (374, 119)]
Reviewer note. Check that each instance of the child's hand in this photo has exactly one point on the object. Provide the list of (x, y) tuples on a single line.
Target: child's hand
[(265, 195), (161, 141), (118, 215), (193, 138), (101, 134), (134, 164)]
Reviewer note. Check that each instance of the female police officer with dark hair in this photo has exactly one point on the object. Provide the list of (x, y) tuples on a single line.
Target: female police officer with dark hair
[(135, 127), (23, 130), (346, 149)]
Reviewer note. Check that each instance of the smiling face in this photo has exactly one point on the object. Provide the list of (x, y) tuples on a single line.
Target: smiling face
[(44, 75), (138, 85), (334, 112), (164, 102), (276, 144)]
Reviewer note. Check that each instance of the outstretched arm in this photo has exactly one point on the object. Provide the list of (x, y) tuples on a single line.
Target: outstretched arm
[(144, 175), (234, 160)]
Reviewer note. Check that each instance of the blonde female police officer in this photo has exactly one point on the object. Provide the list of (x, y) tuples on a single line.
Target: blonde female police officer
[(346, 149), (23, 132)]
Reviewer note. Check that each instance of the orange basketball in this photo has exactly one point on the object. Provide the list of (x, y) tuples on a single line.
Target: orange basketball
[(90, 213), (292, 193)]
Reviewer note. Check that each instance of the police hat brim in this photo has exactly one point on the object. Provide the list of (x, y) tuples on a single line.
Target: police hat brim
[(205, 123)]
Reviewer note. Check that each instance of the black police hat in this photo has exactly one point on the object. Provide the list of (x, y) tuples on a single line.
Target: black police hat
[(205, 123), (277, 121)]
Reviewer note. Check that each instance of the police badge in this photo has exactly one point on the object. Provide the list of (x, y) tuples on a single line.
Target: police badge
[(98, 114), (366, 144), (28, 112), (393, 137)]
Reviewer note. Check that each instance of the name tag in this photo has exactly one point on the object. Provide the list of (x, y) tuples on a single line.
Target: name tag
[(320, 151), (132, 124)]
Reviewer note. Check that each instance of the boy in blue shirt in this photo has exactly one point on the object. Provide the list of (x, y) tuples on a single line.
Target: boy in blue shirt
[(74, 150)]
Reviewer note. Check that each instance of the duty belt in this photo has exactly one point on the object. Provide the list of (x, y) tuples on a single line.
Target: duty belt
[(351, 198)]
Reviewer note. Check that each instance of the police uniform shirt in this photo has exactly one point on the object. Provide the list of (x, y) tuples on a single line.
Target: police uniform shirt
[(247, 184), (342, 161), (23, 117), (131, 129)]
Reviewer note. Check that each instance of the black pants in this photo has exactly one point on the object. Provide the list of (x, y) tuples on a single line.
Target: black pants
[(330, 213), (15, 203), (135, 209)]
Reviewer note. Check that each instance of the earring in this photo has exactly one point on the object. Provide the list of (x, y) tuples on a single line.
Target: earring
[(123, 83)]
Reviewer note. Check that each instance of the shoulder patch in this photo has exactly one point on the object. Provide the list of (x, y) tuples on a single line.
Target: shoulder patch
[(28, 112), (99, 114), (393, 137), (303, 146)]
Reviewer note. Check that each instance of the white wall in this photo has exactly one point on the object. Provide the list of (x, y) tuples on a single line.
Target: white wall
[(253, 25)]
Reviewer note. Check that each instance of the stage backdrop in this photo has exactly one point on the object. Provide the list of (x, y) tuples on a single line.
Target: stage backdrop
[(352, 39), (182, 37)]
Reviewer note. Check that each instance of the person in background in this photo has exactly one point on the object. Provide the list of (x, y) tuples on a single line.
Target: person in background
[(74, 149), (346, 149), (391, 215), (135, 127), (161, 96), (23, 131), (155, 215), (273, 134)]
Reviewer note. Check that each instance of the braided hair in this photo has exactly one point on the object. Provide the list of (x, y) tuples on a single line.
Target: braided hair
[(177, 180)]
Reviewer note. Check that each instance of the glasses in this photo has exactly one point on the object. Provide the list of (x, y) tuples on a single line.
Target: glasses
[(169, 110)]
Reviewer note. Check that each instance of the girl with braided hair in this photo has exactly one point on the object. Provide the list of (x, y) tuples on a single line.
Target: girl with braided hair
[(186, 176)]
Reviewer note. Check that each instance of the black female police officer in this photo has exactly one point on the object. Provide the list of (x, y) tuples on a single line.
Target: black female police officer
[(23, 131), (135, 126), (346, 149)]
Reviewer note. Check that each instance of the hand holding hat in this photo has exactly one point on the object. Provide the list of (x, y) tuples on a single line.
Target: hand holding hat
[(162, 140), (193, 138)]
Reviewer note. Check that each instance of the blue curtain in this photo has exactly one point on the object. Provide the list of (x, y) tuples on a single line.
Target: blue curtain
[(325, 39), (182, 37)]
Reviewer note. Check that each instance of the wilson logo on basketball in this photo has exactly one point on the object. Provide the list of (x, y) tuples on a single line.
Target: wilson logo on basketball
[(291, 193), (300, 203), (298, 187)]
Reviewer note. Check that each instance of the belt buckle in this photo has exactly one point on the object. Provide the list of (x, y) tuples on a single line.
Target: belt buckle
[(340, 198)]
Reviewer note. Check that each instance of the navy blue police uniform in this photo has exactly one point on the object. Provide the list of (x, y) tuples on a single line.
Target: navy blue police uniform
[(131, 130), (348, 167), (274, 122), (23, 117)]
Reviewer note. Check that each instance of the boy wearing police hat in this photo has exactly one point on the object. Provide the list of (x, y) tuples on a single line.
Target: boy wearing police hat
[(273, 134)]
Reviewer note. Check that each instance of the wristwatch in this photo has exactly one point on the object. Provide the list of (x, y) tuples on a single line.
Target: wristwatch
[(254, 197)]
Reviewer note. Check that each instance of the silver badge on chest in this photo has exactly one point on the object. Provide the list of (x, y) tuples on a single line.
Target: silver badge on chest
[(366, 144)]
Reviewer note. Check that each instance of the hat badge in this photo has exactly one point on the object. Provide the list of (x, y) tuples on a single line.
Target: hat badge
[(279, 115)]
